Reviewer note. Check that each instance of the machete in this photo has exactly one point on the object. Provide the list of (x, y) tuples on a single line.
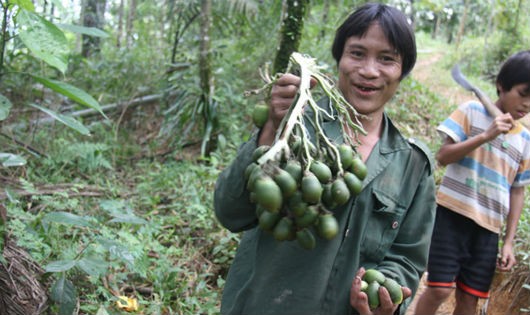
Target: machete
[(462, 81)]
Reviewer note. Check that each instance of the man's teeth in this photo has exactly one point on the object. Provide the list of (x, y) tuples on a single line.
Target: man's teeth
[(366, 88)]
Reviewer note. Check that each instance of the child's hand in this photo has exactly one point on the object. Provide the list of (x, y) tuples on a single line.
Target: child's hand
[(502, 124), (506, 259)]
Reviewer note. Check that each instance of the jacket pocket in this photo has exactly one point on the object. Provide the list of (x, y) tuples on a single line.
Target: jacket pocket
[(382, 225)]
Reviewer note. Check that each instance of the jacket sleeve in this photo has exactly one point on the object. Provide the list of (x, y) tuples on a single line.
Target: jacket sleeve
[(407, 258), (231, 198)]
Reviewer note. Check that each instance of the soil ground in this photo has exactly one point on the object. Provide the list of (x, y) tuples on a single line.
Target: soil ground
[(507, 296)]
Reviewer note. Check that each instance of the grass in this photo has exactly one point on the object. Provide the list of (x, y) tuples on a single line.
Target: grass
[(152, 223)]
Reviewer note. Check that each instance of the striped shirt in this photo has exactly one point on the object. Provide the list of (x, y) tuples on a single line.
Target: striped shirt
[(478, 186)]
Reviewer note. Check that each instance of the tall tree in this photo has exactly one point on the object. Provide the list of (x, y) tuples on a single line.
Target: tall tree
[(182, 15), (518, 12), (208, 109), (462, 24), (291, 33), (412, 14), (131, 14), (93, 15), (325, 19), (119, 35)]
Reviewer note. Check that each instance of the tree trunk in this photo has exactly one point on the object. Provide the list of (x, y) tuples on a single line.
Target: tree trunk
[(183, 20), (291, 33), (437, 22), (3, 40), (204, 54), (462, 25), (93, 16), (206, 80), (489, 30), (119, 35), (131, 14), (325, 18), (517, 13), (412, 15)]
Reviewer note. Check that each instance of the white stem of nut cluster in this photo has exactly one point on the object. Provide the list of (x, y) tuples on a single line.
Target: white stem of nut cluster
[(296, 111)]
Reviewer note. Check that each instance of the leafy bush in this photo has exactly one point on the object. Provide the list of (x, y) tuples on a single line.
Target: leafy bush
[(161, 236)]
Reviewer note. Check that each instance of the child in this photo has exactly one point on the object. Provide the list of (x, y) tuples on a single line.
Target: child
[(488, 167)]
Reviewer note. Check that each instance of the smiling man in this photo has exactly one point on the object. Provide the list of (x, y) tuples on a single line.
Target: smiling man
[(387, 226)]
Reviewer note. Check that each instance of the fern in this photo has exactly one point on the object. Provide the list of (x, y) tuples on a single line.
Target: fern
[(84, 157)]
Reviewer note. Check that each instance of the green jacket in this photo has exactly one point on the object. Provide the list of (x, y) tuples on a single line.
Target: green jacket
[(387, 226)]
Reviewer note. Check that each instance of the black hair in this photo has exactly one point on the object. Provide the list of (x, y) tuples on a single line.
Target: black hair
[(514, 71), (394, 23)]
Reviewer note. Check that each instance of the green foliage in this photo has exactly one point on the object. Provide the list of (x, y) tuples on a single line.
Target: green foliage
[(5, 107), (235, 67), (71, 92), (47, 43), (522, 241), (64, 294), (45, 40), (68, 158), (122, 75), (415, 109), (91, 248), (163, 236), (149, 230)]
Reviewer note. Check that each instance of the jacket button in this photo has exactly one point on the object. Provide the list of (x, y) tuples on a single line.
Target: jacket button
[(395, 224)]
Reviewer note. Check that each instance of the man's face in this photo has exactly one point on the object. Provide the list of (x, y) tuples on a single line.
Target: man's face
[(369, 71)]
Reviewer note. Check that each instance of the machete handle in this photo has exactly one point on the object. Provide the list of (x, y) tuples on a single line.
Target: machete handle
[(490, 107), (463, 82)]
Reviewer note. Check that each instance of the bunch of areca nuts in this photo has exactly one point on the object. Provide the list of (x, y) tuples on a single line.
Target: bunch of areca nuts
[(298, 180)]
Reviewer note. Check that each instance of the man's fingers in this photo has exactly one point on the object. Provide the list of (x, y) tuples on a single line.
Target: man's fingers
[(288, 79), (406, 292)]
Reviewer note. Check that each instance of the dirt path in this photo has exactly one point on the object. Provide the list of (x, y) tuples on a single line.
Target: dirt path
[(442, 83), (439, 82)]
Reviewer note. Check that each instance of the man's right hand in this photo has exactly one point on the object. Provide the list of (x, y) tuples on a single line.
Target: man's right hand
[(283, 94)]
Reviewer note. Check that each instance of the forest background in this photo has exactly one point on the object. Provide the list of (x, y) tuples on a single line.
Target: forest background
[(116, 117)]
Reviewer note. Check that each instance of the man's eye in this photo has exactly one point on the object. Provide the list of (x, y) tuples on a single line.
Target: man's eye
[(356, 53), (388, 58)]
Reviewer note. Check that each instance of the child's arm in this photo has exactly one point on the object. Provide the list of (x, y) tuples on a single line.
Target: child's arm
[(507, 259), (451, 152)]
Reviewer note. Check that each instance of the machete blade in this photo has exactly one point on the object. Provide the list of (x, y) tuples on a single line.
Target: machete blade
[(463, 82), (460, 78)]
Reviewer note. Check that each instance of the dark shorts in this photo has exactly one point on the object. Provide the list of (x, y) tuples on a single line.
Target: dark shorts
[(461, 253)]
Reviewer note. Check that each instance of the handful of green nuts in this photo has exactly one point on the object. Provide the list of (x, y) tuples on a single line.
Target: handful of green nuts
[(371, 282)]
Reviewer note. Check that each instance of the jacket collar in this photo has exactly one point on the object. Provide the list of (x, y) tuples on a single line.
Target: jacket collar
[(391, 139)]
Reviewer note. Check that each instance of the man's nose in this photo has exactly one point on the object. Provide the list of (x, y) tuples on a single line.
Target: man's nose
[(369, 68)]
